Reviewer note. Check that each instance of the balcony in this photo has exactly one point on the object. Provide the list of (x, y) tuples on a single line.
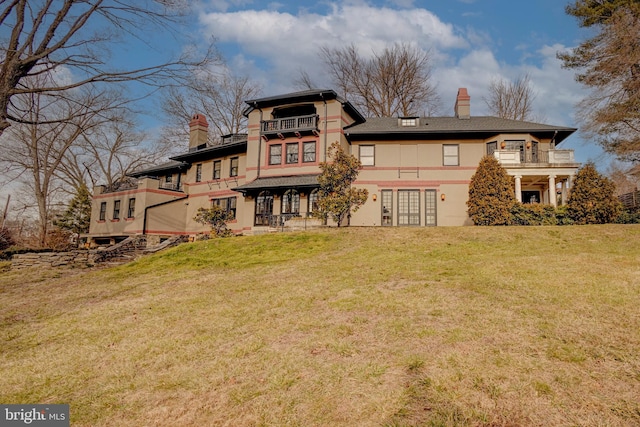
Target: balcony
[(535, 157), (290, 125), (170, 186)]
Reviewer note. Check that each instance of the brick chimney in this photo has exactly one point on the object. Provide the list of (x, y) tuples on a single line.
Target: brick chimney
[(198, 127), (463, 104)]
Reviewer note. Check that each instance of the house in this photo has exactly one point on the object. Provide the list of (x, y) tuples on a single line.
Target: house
[(417, 169)]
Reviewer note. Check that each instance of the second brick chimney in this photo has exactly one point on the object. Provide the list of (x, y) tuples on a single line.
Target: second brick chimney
[(198, 130), (463, 104)]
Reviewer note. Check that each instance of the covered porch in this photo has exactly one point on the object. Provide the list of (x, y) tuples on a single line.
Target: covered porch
[(547, 186)]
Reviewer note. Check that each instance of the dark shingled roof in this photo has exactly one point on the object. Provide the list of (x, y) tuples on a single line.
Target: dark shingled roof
[(436, 127), (311, 95), (162, 169), (279, 182)]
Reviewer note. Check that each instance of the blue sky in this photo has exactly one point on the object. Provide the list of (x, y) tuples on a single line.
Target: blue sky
[(471, 42)]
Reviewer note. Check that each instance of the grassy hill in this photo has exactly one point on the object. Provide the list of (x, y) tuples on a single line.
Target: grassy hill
[(469, 326)]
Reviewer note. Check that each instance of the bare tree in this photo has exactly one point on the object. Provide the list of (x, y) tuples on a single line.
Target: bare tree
[(304, 81), (608, 63), (45, 37), (218, 94), (48, 129), (396, 81), (106, 153), (511, 99)]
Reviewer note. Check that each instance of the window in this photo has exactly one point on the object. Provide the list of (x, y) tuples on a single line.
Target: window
[(430, 207), (168, 179), (309, 152), (492, 147), (313, 201), (516, 145), (387, 207), (408, 207), (275, 154), (199, 172), (103, 211), (408, 121), (116, 209), (367, 155), (131, 210), (217, 169), (228, 204), (292, 153), (450, 155), (233, 170), (290, 202), (264, 208)]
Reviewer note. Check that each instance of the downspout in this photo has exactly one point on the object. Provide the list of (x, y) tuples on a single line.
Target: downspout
[(324, 150), (255, 105)]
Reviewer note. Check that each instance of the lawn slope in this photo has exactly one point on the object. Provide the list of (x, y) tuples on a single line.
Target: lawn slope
[(535, 326)]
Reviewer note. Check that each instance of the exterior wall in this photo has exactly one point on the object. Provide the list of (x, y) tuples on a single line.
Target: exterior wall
[(146, 194), (418, 165)]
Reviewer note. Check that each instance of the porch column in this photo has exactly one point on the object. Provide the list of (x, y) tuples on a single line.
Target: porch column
[(563, 186), (519, 188), (552, 190)]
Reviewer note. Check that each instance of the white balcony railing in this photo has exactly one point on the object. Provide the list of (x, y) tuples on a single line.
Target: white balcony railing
[(517, 157)]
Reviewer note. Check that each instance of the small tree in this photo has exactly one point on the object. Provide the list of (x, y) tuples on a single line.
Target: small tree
[(77, 217), (217, 218), (336, 197), (491, 195), (593, 198)]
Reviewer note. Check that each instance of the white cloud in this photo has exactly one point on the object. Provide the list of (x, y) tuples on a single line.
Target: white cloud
[(286, 42)]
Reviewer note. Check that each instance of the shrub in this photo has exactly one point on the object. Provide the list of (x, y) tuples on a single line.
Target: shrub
[(593, 199), (217, 218), (491, 194), (6, 238), (533, 214)]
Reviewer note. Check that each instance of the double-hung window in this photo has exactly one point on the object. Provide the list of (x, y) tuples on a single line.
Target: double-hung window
[(199, 172), (132, 208), (103, 211), (217, 169), (367, 155), (309, 152), (275, 154), (292, 153), (227, 204), (233, 170), (450, 155), (116, 209)]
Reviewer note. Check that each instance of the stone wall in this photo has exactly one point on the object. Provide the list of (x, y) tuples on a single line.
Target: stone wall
[(53, 259)]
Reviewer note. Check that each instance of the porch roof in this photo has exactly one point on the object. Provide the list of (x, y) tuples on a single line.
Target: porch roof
[(279, 182)]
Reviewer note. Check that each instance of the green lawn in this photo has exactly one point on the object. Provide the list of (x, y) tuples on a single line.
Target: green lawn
[(510, 326)]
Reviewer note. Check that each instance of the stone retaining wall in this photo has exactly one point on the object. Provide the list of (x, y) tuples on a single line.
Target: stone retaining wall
[(53, 259)]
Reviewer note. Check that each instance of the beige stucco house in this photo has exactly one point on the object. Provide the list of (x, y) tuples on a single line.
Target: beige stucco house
[(417, 169)]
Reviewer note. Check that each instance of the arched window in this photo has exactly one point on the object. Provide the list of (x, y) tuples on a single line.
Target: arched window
[(290, 202), (264, 208)]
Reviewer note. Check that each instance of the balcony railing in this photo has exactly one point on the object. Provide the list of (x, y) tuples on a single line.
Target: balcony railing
[(170, 186), (544, 157), (290, 124)]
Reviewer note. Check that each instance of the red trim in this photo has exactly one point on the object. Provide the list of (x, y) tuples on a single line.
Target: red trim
[(130, 219), (114, 220), (413, 183), (101, 221), (145, 190)]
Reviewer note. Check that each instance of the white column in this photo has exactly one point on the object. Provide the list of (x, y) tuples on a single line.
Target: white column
[(564, 192), (552, 190), (519, 188)]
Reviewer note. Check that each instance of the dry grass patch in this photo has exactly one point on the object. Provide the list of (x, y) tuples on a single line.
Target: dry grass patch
[(367, 327)]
